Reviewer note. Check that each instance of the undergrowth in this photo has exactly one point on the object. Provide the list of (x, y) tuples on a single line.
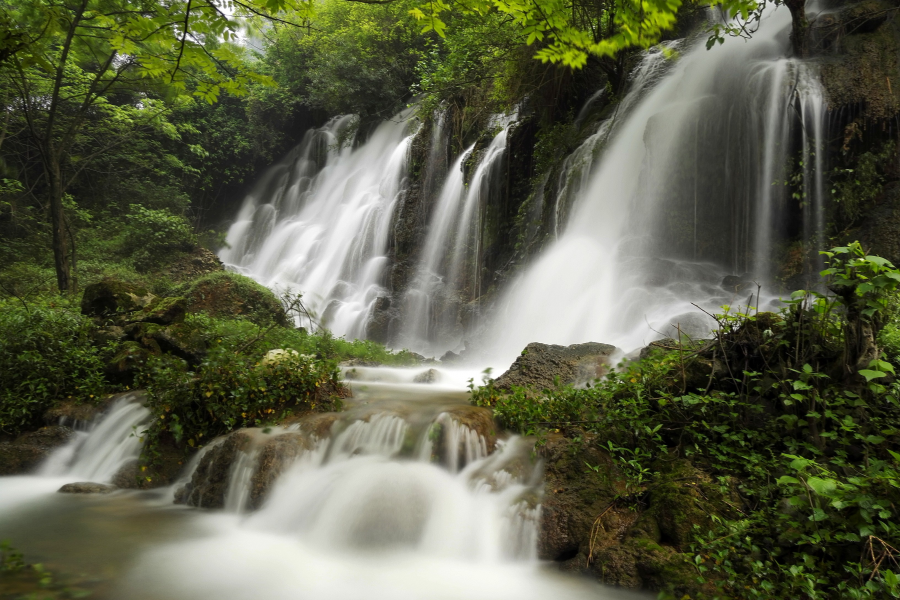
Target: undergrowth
[(795, 406)]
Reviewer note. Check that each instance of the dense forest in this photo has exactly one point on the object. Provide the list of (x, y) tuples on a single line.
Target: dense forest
[(748, 450)]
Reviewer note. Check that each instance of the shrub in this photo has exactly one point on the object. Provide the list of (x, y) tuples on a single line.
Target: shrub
[(46, 355), (152, 236)]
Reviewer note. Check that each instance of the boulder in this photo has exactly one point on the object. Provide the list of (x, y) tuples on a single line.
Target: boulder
[(209, 483), (87, 487), (593, 523), (428, 376), (29, 450), (229, 295), (546, 365), (110, 298)]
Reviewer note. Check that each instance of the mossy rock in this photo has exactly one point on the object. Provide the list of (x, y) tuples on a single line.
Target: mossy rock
[(111, 298), (230, 295), (867, 67), (178, 339)]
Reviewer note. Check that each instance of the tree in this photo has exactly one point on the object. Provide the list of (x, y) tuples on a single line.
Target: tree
[(70, 61)]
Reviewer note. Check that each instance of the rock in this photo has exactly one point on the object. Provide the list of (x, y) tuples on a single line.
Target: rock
[(110, 297), (86, 487), (588, 525), (178, 339), (191, 266), (209, 483), (129, 358), (162, 311), (275, 457), (277, 355), (318, 425), (449, 357), (73, 413), (106, 335), (381, 317), (880, 233), (229, 295), (429, 376), (29, 450), (546, 366), (738, 284)]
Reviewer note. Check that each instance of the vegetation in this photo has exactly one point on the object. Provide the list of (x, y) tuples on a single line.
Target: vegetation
[(782, 405)]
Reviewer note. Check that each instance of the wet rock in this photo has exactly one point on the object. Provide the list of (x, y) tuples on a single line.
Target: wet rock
[(275, 457), (129, 476), (229, 295), (738, 284), (450, 357), (546, 366), (28, 451), (209, 483), (429, 376), (381, 317), (317, 425), (87, 487)]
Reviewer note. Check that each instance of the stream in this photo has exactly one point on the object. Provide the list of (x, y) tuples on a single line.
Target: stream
[(365, 513)]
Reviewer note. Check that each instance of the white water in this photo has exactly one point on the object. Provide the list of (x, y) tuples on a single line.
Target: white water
[(320, 222), (688, 189), (94, 455)]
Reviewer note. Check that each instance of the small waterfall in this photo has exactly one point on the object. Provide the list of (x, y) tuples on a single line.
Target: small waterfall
[(426, 298), (382, 481), (448, 274), (98, 454), (320, 221)]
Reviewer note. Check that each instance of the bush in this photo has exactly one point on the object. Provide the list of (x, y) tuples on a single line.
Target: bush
[(46, 355), (231, 390), (152, 236)]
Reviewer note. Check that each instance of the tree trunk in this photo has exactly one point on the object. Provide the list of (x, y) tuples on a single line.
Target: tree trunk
[(799, 27), (58, 224)]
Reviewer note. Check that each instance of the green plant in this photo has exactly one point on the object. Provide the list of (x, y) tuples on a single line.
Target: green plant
[(152, 236), (46, 355)]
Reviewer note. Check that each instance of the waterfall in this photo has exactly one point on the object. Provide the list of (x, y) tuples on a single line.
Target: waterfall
[(320, 221), (96, 455), (691, 187)]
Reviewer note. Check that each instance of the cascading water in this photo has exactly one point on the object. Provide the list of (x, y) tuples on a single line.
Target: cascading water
[(449, 270), (320, 221), (690, 188)]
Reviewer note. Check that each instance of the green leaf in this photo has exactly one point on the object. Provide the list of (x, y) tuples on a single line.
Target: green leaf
[(870, 374)]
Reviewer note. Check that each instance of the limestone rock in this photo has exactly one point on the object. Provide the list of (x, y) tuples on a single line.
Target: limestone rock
[(545, 365), (87, 487)]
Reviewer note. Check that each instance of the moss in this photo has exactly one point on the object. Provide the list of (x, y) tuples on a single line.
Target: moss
[(868, 69), (230, 295)]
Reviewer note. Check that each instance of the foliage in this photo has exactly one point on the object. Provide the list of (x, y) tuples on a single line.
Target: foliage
[(152, 236), (46, 355), (231, 390), (563, 33), (766, 402), (854, 189)]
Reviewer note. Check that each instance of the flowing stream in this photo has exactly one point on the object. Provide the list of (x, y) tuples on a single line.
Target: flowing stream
[(403, 497)]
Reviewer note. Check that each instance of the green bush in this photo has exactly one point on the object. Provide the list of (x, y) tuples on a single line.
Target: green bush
[(46, 355), (231, 390), (152, 236)]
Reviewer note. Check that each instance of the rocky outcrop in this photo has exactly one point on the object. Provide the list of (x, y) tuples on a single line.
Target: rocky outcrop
[(29, 450), (87, 487), (230, 295), (209, 484), (593, 522), (546, 366)]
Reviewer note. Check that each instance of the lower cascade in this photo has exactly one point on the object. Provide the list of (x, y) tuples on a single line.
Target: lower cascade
[(391, 498)]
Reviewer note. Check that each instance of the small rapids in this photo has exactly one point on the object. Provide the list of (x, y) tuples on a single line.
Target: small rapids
[(407, 494)]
